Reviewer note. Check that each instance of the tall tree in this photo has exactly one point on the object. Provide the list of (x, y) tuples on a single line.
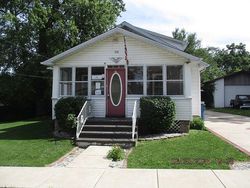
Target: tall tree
[(190, 38), (43, 28), (234, 58), (32, 31), (207, 54)]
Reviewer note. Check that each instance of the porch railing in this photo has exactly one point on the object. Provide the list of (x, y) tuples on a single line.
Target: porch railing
[(82, 117), (134, 118)]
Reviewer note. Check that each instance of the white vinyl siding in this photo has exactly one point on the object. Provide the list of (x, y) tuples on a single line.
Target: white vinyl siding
[(219, 93), (130, 105), (98, 106), (139, 54), (196, 98), (183, 107)]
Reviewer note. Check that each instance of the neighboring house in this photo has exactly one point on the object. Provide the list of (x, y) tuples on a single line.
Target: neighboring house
[(118, 67), (227, 87)]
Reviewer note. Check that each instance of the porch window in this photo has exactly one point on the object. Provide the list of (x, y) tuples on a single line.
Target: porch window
[(174, 80), (66, 81), (135, 80), (154, 80), (81, 82), (97, 81)]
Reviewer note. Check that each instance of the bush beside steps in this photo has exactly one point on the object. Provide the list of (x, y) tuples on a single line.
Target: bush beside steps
[(157, 114), (66, 111)]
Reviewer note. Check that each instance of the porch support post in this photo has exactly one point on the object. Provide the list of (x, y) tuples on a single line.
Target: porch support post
[(187, 81), (164, 76), (144, 80), (55, 88), (73, 81), (89, 82)]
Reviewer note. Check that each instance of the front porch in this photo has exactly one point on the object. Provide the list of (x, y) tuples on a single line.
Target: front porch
[(105, 131)]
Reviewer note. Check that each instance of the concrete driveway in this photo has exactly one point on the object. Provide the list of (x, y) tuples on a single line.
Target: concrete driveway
[(234, 129)]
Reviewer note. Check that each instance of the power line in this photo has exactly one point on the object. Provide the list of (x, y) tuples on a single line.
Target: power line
[(33, 76)]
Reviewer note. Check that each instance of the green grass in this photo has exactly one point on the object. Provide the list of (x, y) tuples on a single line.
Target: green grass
[(198, 150), (242, 112), (30, 143)]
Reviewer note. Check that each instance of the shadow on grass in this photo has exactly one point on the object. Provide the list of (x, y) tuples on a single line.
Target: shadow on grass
[(28, 130)]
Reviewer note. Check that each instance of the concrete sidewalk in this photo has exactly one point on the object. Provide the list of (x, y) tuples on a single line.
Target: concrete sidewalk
[(121, 178), (233, 128), (91, 158)]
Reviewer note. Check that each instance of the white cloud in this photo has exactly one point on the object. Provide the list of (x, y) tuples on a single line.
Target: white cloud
[(216, 22)]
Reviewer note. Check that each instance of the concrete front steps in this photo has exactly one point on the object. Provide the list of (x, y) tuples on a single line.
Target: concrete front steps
[(107, 131)]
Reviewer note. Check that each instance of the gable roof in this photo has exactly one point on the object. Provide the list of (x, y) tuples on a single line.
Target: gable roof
[(165, 40), (228, 75), (172, 45), (168, 41)]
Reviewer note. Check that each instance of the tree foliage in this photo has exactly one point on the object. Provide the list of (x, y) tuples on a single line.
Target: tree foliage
[(207, 54), (40, 29), (234, 58), (221, 61), (193, 43), (32, 31)]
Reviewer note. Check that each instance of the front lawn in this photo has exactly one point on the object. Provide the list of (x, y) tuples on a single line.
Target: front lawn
[(198, 150), (242, 112), (30, 143)]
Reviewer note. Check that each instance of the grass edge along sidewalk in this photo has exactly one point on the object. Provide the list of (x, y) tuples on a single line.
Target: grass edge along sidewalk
[(198, 150), (235, 111)]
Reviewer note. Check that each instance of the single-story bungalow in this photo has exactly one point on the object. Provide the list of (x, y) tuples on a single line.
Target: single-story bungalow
[(227, 87), (118, 67)]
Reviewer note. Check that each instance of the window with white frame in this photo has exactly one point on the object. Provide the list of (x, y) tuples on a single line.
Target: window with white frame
[(174, 80), (65, 81), (81, 82), (154, 80), (135, 80), (97, 81)]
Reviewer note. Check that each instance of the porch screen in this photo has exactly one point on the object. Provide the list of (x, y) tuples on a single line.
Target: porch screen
[(97, 81), (135, 80), (81, 82), (66, 81), (154, 80), (174, 80)]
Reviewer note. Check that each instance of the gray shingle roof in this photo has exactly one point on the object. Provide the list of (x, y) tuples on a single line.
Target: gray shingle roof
[(165, 40)]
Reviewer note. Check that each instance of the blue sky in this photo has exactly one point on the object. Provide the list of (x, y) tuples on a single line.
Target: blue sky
[(216, 22)]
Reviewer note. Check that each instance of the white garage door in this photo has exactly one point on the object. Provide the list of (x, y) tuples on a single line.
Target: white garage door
[(231, 91)]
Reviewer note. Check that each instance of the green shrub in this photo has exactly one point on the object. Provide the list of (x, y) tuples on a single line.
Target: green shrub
[(116, 153), (197, 123), (66, 106), (157, 114)]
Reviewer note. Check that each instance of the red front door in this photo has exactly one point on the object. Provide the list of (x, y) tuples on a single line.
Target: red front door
[(115, 92)]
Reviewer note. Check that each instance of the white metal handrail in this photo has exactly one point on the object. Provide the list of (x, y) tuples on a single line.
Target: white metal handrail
[(134, 117), (82, 117)]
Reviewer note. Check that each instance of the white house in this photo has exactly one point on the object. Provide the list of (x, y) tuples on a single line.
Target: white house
[(119, 66), (227, 87)]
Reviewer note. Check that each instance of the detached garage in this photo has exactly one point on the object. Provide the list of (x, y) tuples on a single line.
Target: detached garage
[(230, 85)]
